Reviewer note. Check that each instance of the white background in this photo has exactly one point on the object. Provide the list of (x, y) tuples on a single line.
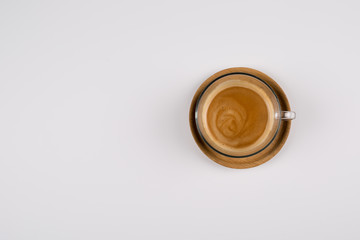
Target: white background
[(94, 134)]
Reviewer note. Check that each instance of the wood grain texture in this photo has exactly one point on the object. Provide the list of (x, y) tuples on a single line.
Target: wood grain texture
[(264, 155)]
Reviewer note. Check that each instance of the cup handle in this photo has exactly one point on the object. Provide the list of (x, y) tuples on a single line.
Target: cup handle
[(285, 115)]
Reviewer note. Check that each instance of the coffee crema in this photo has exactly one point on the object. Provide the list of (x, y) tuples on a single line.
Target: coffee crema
[(236, 115)]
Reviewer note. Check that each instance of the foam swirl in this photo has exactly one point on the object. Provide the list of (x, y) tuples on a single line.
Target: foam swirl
[(230, 121), (237, 117)]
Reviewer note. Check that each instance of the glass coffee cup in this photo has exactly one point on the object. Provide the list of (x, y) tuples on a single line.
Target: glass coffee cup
[(239, 115)]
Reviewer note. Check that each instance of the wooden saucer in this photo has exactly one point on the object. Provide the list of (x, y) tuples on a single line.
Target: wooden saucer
[(256, 159)]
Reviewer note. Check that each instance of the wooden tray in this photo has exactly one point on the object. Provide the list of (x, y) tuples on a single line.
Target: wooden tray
[(264, 155)]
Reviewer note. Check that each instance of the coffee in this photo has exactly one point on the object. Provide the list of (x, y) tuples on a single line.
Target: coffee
[(236, 115)]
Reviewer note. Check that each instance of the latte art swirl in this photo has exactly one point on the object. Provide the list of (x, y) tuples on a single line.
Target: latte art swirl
[(237, 117), (230, 121)]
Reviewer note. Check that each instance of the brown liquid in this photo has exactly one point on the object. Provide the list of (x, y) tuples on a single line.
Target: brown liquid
[(237, 117)]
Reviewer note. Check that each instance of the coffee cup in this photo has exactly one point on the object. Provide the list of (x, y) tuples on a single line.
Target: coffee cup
[(238, 115)]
